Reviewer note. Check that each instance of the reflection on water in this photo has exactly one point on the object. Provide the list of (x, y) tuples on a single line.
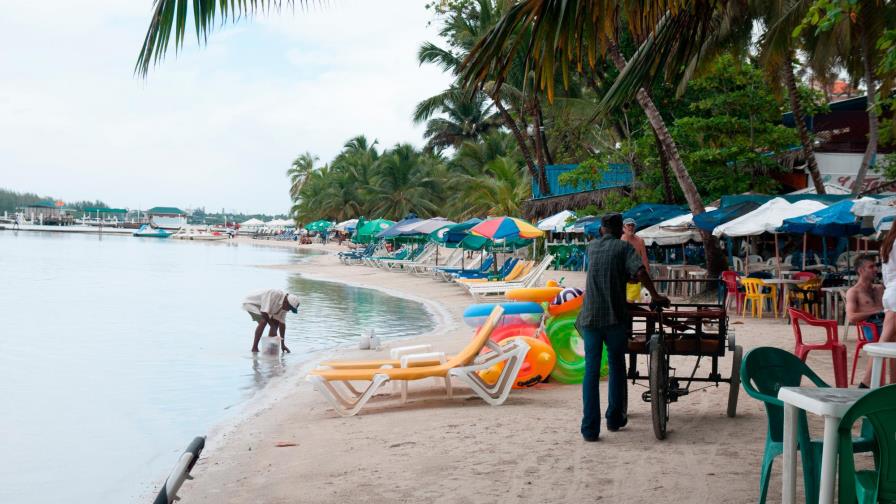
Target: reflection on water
[(116, 351)]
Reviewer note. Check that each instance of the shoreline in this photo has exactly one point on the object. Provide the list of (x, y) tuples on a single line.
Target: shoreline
[(435, 449)]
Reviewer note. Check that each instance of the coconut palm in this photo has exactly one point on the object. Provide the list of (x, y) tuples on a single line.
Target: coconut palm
[(298, 172), (500, 190), (405, 181), (464, 117)]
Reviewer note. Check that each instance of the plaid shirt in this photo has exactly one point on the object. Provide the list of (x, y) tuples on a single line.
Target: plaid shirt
[(611, 262)]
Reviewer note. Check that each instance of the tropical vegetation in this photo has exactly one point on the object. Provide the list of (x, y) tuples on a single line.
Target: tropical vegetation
[(690, 95)]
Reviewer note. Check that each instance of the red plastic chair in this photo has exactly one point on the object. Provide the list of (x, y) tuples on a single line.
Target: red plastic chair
[(838, 350), (730, 278), (861, 340)]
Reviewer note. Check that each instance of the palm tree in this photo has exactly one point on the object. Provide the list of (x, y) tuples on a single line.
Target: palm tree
[(298, 172), (500, 190), (466, 117), (404, 182)]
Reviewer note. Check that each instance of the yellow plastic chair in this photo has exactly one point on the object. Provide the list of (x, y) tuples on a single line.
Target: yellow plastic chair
[(755, 294), (807, 295)]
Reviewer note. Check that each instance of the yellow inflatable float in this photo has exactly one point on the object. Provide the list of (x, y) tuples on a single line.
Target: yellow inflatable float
[(534, 294)]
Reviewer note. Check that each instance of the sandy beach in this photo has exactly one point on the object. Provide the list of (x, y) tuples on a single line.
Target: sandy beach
[(461, 450)]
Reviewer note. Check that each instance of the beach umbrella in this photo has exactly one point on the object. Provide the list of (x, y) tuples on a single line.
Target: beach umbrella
[(367, 230), (581, 223), (556, 222), (767, 218), (319, 225), (707, 221), (252, 222), (347, 225), (398, 228), (674, 231), (835, 220), (501, 228), (452, 234), (427, 226)]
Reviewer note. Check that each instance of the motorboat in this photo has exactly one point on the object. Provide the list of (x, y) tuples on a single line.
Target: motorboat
[(147, 231), (199, 235)]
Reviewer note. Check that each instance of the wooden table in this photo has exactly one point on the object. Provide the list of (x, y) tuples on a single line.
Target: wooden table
[(832, 404), (878, 352)]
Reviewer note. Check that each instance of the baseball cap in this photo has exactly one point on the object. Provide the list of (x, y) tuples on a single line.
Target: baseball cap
[(611, 220), (628, 221), (293, 301)]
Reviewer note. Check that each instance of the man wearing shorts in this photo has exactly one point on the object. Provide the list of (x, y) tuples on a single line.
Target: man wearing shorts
[(268, 308), (864, 301), (633, 288)]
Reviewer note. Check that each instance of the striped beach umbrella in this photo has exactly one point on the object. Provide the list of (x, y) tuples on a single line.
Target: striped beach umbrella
[(501, 228)]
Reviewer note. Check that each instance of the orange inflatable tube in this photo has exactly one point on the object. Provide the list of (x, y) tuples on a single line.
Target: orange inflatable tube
[(537, 366), (534, 294)]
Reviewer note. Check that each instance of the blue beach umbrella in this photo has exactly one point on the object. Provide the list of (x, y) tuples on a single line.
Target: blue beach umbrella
[(835, 220)]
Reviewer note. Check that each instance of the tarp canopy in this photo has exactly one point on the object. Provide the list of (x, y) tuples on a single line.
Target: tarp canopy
[(767, 218), (648, 214), (827, 199), (674, 231), (427, 226), (366, 230), (707, 221), (835, 220), (579, 225), (873, 211), (252, 222), (281, 223), (452, 234), (556, 222), (396, 230)]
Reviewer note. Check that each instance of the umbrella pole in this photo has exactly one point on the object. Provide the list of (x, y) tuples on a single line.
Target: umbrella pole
[(747, 258), (805, 239), (684, 255), (777, 256)]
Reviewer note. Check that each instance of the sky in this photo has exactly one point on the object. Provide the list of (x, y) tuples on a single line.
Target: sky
[(214, 126)]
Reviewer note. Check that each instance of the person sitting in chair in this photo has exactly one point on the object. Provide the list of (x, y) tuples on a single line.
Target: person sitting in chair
[(865, 301)]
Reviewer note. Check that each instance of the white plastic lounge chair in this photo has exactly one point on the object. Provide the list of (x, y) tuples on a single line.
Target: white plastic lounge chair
[(499, 288), (336, 384), (452, 260)]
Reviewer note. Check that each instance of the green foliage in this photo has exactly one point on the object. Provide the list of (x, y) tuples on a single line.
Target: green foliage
[(11, 200)]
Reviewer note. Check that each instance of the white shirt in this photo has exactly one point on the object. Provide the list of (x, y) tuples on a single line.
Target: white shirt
[(268, 301)]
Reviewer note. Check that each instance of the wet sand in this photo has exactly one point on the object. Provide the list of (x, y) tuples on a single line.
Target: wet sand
[(461, 450)]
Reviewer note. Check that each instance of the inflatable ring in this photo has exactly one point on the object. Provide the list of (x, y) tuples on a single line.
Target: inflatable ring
[(535, 294), (551, 283), (476, 314), (508, 331), (537, 365), (565, 339)]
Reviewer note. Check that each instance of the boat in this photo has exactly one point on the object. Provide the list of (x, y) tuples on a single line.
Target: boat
[(199, 235), (147, 231)]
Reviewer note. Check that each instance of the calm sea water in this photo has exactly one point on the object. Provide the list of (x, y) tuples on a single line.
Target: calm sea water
[(116, 351)]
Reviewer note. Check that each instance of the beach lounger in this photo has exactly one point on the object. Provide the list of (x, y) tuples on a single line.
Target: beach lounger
[(499, 288), (448, 274), (336, 384), (520, 270), (453, 259), (421, 256)]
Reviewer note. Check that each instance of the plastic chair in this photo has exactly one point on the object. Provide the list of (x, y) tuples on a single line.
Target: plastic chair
[(807, 294), (763, 372), (757, 293), (867, 333), (729, 279), (879, 484), (832, 343), (738, 264)]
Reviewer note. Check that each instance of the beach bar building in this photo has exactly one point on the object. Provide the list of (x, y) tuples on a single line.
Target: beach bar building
[(46, 212), (167, 217)]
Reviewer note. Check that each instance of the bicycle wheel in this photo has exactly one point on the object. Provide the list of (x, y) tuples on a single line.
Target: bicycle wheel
[(659, 381)]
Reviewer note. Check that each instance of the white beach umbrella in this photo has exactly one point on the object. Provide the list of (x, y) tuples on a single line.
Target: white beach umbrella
[(252, 222), (872, 211), (674, 231), (767, 218), (345, 225), (556, 222)]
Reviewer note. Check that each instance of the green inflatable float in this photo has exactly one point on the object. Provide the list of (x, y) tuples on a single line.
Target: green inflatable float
[(565, 339)]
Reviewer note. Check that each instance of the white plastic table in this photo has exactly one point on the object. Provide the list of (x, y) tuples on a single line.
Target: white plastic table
[(878, 352), (832, 404), (785, 284)]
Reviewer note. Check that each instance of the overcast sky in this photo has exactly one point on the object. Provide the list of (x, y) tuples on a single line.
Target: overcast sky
[(214, 126)]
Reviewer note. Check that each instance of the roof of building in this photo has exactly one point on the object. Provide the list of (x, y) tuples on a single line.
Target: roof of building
[(162, 210), (42, 204), (105, 210)]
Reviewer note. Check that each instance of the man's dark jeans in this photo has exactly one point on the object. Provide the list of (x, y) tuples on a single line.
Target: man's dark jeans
[(615, 338)]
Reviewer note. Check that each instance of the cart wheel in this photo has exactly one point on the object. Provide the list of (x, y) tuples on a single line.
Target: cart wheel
[(659, 380), (734, 384)]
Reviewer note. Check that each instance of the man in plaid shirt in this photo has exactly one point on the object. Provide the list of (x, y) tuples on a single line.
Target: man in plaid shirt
[(604, 319)]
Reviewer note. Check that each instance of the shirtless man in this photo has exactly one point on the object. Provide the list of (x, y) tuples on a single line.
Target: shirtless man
[(633, 289), (864, 301)]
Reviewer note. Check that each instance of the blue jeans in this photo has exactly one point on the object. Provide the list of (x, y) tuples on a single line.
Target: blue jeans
[(616, 339)]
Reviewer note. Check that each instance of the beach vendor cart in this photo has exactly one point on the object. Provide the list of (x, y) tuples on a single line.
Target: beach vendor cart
[(672, 338)]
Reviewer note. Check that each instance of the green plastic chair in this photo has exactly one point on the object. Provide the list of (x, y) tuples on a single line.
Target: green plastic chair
[(763, 372), (878, 485)]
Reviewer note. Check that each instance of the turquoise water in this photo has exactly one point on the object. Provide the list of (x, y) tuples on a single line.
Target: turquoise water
[(116, 351)]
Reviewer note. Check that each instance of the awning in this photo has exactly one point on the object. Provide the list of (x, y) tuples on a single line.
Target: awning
[(835, 220), (674, 231), (767, 218), (707, 221), (556, 222)]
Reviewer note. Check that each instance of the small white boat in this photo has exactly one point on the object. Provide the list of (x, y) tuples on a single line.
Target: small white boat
[(147, 231), (199, 235)]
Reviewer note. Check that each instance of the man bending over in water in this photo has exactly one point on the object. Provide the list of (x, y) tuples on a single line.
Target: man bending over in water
[(268, 308)]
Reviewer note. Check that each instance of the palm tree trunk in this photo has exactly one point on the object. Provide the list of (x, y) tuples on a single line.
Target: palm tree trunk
[(797, 109), (668, 196), (534, 172), (871, 149), (715, 260), (539, 121)]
